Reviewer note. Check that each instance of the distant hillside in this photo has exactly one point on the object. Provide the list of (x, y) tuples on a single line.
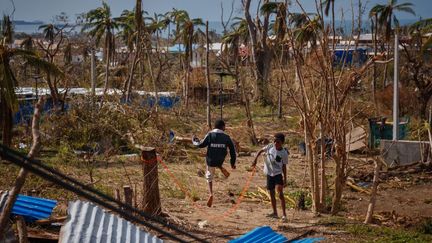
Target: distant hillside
[(23, 22)]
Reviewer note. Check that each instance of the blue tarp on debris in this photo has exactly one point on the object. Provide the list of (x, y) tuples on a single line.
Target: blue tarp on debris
[(166, 102), (267, 235), (31, 208), (26, 109), (342, 56)]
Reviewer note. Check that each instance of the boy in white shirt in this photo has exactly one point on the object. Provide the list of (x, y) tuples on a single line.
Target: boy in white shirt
[(275, 162)]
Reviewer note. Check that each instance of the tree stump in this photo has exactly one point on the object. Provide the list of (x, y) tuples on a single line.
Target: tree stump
[(151, 197)]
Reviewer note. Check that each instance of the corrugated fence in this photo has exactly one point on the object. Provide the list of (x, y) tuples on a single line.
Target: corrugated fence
[(89, 223)]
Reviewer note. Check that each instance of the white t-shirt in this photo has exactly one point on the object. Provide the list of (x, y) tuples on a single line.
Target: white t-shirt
[(274, 159)]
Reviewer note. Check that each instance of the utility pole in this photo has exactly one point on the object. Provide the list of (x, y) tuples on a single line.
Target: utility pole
[(396, 89)]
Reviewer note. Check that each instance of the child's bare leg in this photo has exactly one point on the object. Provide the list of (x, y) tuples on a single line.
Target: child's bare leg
[(209, 177), (210, 199), (273, 200), (210, 187), (279, 188)]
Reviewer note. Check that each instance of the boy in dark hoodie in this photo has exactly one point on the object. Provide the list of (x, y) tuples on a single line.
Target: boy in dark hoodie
[(217, 143)]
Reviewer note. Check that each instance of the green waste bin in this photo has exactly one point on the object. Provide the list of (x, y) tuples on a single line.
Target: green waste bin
[(379, 129)]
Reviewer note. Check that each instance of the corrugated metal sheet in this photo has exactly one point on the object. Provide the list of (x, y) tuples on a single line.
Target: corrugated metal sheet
[(89, 223), (31, 208), (261, 234), (307, 240), (266, 235)]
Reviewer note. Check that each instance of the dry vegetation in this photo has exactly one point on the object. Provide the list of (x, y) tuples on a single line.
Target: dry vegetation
[(299, 92)]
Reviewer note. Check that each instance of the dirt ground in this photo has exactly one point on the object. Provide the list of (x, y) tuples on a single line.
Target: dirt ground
[(404, 199)]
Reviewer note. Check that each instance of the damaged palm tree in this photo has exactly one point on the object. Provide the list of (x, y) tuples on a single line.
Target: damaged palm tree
[(261, 52)]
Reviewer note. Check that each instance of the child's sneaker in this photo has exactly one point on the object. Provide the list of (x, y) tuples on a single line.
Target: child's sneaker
[(284, 219), (224, 172)]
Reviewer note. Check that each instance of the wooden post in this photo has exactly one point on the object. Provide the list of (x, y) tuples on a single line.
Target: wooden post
[(151, 197), (127, 195), (135, 204)]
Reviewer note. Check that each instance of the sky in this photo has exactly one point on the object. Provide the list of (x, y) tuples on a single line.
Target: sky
[(45, 10)]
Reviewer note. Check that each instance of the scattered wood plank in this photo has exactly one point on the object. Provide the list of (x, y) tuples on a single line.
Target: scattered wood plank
[(51, 220)]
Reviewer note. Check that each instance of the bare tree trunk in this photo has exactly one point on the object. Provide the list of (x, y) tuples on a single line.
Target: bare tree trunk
[(20, 180), (250, 123), (313, 169), (371, 207), (53, 90), (186, 84), (261, 54), (138, 24), (323, 184), (374, 72), (423, 100), (208, 79), (338, 187), (131, 76), (22, 229), (6, 122), (280, 100), (107, 70), (93, 73), (154, 80)]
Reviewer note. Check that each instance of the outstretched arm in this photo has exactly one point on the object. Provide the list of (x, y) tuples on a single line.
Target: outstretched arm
[(256, 157), (201, 144)]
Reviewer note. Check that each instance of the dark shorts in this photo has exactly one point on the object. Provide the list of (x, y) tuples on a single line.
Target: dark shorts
[(272, 181)]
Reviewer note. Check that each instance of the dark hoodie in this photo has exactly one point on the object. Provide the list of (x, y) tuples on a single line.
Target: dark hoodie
[(217, 143)]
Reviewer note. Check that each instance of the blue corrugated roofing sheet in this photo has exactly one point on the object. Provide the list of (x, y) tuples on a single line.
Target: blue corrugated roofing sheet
[(307, 240), (31, 208), (267, 235), (89, 223), (261, 234)]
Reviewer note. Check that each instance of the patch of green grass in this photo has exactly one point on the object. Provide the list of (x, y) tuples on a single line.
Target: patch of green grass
[(307, 197), (366, 233), (332, 220)]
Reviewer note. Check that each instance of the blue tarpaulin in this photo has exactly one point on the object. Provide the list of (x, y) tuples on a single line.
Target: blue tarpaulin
[(166, 102), (31, 208), (265, 234), (26, 109), (342, 56)]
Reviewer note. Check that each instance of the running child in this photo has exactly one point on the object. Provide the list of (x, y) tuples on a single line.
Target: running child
[(217, 143)]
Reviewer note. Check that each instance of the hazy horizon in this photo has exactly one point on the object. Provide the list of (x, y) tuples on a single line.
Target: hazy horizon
[(45, 10)]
